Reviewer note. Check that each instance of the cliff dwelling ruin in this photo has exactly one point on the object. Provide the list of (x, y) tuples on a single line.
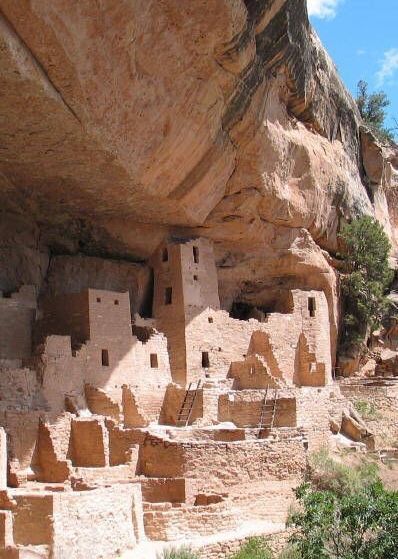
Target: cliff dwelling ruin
[(167, 421), (174, 176)]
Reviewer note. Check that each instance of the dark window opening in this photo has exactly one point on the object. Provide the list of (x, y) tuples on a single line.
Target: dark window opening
[(210, 319), (165, 255), (116, 302), (195, 251), (98, 299), (105, 358), (205, 360), (154, 360), (168, 295), (311, 306), (195, 278)]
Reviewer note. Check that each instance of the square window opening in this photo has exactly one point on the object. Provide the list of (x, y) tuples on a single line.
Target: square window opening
[(195, 251), (311, 306), (116, 302), (168, 295), (210, 319), (154, 360), (195, 278), (205, 360), (98, 299), (105, 358)]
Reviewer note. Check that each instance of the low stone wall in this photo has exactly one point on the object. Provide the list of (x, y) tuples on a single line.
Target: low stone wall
[(169, 522), (217, 465), (225, 549)]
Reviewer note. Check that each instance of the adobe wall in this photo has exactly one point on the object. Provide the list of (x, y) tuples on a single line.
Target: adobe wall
[(170, 317), (89, 445), (98, 522), (17, 314), (228, 340), (255, 371), (109, 315), (313, 413), (173, 401), (167, 523), (243, 408), (199, 276), (230, 463), (32, 517), (22, 428), (62, 373), (104, 522), (142, 366), (124, 445), (163, 490)]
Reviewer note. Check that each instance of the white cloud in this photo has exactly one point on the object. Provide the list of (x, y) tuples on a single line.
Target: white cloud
[(324, 9), (389, 65)]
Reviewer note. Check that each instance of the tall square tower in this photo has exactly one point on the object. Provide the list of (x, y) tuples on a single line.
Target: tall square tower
[(186, 285)]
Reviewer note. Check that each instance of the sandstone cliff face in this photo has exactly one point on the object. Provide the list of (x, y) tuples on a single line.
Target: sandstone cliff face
[(126, 122)]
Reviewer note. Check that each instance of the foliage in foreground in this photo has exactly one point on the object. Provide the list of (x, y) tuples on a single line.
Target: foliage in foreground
[(344, 513), (366, 253), (254, 548), (372, 109), (358, 525)]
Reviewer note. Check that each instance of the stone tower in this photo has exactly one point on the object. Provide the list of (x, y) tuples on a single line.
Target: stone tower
[(185, 286)]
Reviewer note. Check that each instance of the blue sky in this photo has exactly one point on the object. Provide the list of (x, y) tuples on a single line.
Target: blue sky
[(362, 38)]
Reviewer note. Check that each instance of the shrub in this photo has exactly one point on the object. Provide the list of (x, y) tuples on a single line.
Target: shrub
[(366, 253), (254, 548), (361, 524), (366, 409), (182, 553), (327, 474)]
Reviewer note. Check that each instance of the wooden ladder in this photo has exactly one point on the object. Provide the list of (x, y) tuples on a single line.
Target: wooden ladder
[(268, 411), (185, 412)]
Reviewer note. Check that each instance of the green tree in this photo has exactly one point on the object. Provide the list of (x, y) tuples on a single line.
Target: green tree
[(367, 276), (372, 109), (360, 524)]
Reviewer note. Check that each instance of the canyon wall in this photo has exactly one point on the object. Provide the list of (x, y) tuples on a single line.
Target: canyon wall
[(124, 123)]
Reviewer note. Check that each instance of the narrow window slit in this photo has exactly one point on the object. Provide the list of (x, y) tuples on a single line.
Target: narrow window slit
[(105, 358), (205, 359), (168, 295), (154, 360), (311, 306)]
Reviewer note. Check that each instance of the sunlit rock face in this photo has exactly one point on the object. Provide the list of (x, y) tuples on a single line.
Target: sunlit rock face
[(127, 122)]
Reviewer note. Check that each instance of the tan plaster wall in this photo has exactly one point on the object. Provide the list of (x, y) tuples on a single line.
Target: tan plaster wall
[(244, 409), (95, 524)]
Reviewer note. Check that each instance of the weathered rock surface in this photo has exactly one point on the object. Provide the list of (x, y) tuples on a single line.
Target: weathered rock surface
[(126, 122)]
